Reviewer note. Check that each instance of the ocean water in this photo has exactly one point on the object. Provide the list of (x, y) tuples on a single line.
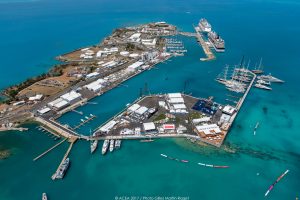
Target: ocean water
[(34, 32)]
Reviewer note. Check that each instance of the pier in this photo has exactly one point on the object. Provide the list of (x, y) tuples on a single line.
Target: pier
[(241, 101), (50, 131), (84, 122), (47, 151), (78, 112), (188, 34), (64, 158), (206, 49), (58, 128)]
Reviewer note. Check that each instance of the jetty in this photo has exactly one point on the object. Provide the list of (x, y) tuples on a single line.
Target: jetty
[(84, 122), (47, 151), (188, 34), (58, 128), (206, 49), (64, 158)]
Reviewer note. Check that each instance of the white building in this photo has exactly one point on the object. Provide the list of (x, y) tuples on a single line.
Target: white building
[(149, 42), (135, 66), (209, 129), (96, 85), (142, 110), (58, 103), (200, 120), (134, 107), (37, 97), (92, 75), (174, 95), (136, 37), (228, 110), (43, 110), (71, 96), (108, 126), (149, 127)]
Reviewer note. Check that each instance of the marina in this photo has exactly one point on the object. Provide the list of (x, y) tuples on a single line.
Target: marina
[(170, 120)]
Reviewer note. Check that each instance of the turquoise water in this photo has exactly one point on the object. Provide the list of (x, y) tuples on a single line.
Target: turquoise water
[(36, 32)]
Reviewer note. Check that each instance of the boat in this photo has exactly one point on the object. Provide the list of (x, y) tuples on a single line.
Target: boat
[(277, 180), (163, 155), (105, 146), (44, 196), (262, 82), (222, 78), (217, 42), (118, 144), (270, 78), (256, 126), (184, 161), (259, 69), (82, 120), (87, 117), (213, 166), (257, 85), (147, 140), (204, 25), (111, 145), (94, 144), (62, 169)]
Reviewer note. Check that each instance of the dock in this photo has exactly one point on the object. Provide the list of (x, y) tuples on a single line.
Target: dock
[(50, 131), (188, 34), (84, 122), (47, 151), (53, 177), (78, 112), (58, 128), (206, 49), (241, 101)]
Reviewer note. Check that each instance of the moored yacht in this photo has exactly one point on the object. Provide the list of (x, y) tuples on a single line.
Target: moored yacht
[(270, 78), (111, 146), (105, 146)]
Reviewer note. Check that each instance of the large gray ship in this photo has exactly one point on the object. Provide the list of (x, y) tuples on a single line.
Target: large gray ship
[(62, 169)]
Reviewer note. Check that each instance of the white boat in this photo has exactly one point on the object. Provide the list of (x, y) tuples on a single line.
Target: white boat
[(44, 196), (111, 146), (262, 86), (94, 144), (118, 144), (270, 78), (105, 146), (262, 82), (204, 25)]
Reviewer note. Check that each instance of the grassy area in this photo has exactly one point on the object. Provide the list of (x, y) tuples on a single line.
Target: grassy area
[(195, 115), (160, 117)]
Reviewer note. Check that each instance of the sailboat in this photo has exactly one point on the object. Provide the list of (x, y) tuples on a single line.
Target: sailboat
[(258, 70), (222, 78)]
